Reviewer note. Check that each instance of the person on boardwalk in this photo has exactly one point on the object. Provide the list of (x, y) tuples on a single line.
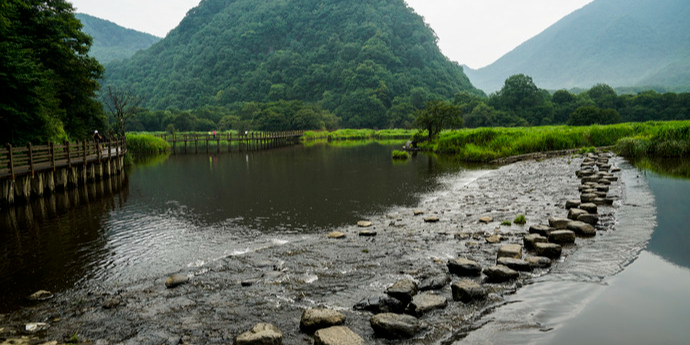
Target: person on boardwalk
[(97, 137)]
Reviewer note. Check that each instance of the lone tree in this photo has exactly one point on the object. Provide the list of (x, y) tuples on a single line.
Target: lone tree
[(438, 115), (122, 105)]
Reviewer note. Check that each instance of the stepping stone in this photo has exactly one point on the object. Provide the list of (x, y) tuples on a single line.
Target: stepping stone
[(562, 237), (510, 251), (395, 326), (542, 230), (500, 274), (572, 204), (467, 291), (588, 197), (262, 333), (418, 212), (317, 318), (589, 207), (464, 267), (549, 250), (437, 282), (364, 224), (336, 235), (559, 223), (367, 233), (582, 228), (531, 239), (575, 212), (462, 236), (432, 219), (40, 295), (403, 290), (538, 261), (591, 219), (381, 304), (426, 302), (486, 219), (514, 264), (337, 335), (494, 239), (176, 280)]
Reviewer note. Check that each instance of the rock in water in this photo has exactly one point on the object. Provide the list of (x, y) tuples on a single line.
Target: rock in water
[(431, 219), (542, 230), (337, 335), (493, 239), (500, 273), (531, 239), (426, 302), (40, 295), (403, 290), (111, 303), (575, 212), (558, 223), (590, 219), (317, 318), (582, 228), (380, 304), (336, 235), (486, 219), (514, 264), (437, 282), (176, 280), (464, 267), (538, 261), (572, 204), (510, 251), (364, 224), (261, 334), (467, 291), (562, 237), (395, 326), (367, 233), (589, 207), (549, 250)]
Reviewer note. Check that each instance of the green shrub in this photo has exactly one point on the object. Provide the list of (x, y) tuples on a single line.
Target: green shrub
[(400, 155), (520, 219), (146, 143)]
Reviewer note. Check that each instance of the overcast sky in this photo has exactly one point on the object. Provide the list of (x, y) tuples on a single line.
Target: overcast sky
[(471, 32)]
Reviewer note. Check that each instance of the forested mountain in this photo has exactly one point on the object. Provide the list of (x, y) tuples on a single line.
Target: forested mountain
[(111, 41), (616, 42), (371, 62)]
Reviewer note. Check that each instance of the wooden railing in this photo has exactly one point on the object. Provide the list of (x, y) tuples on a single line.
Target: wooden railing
[(230, 137), (29, 159)]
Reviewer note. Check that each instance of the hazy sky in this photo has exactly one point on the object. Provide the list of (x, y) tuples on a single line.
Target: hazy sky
[(471, 32)]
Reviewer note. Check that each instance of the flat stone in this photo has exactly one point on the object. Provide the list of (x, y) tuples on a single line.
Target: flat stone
[(604, 181), (530, 239), (437, 282), (572, 204), (336, 235), (395, 326), (562, 237), (493, 239), (176, 280), (514, 264), (588, 197), (615, 169), (601, 194), (462, 236), (403, 290), (337, 335), (542, 230), (510, 251), (538, 261), (364, 224), (486, 219), (500, 274), (111, 303), (582, 228), (432, 219), (418, 212), (549, 250), (367, 233), (40, 295), (575, 212), (558, 223), (36, 327), (426, 302), (317, 318), (380, 304), (467, 291), (601, 188), (261, 334), (591, 219), (589, 207), (464, 267)]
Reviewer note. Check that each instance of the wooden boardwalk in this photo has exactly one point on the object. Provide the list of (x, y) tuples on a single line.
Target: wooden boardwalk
[(196, 143)]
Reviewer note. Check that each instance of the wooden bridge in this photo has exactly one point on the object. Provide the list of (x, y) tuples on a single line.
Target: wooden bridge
[(248, 141), (31, 171)]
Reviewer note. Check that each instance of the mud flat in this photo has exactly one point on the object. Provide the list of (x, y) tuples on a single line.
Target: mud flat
[(407, 249)]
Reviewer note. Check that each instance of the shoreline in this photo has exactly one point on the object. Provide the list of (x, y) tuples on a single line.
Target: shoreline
[(305, 271)]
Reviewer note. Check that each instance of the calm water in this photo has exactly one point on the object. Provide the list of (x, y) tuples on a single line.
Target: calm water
[(617, 299), (182, 211)]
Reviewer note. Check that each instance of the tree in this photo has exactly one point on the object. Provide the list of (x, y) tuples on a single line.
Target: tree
[(437, 116), (122, 106)]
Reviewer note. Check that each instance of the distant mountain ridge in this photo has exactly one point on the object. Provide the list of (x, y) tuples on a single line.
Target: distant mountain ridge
[(622, 43), (367, 61), (111, 41)]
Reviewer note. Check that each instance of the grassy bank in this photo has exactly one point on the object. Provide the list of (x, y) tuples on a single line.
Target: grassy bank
[(667, 139), (140, 143), (360, 134)]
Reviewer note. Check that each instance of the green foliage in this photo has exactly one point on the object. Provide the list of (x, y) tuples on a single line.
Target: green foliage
[(520, 219), (585, 116), (47, 80), (371, 64), (111, 41), (402, 155), (438, 115), (138, 143), (506, 223)]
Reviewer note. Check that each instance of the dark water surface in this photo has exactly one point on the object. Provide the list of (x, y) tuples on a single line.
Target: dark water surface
[(187, 210)]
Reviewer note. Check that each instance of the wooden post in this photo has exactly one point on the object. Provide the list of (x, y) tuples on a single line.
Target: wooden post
[(84, 151), (9, 156), (99, 154), (31, 159), (109, 149), (69, 156), (52, 155)]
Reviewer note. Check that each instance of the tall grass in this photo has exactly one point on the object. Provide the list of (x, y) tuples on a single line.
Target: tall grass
[(138, 143)]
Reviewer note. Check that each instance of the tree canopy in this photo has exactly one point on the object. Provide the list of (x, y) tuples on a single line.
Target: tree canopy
[(47, 80)]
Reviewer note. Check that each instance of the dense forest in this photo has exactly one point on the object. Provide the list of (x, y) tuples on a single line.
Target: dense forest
[(371, 63), (622, 43), (48, 83), (111, 41)]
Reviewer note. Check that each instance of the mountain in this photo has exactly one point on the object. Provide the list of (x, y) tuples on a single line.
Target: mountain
[(617, 42), (111, 41), (367, 60)]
